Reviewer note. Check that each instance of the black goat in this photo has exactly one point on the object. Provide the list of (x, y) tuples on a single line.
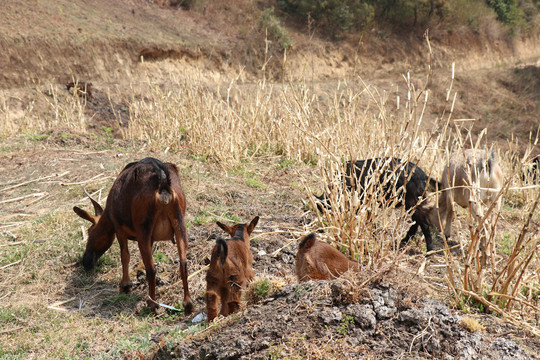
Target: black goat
[(396, 177)]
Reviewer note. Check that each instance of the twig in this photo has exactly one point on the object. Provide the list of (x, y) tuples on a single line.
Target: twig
[(164, 305), (195, 273), (8, 265), (283, 247), (421, 334), (85, 181), (31, 181), (12, 244), (45, 195), (58, 303), (192, 275), (7, 331), (57, 308), (22, 197), (92, 194)]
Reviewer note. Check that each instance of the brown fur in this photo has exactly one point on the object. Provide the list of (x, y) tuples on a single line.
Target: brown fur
[(146, 203), (317, 260), (465, 173), (230, 270), (82, 88)]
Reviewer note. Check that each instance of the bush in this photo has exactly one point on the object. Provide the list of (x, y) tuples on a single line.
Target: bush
[(507, 11), (270, 23), (333, 16)]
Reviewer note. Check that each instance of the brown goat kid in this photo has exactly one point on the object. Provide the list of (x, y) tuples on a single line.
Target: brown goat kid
[(230, 270), (317, 260), (146, 203), (472, 179)]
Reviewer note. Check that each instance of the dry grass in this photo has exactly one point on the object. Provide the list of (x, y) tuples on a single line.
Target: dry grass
[(235, 124)]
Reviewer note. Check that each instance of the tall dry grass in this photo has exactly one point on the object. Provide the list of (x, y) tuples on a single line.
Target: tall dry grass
[(48, 108), (357, 121), (348, 120)]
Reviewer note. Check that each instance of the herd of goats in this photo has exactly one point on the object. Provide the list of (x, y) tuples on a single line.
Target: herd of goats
[(146, 203)]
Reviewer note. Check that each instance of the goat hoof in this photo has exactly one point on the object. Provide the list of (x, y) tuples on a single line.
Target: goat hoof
[(152, 305), (126, 288), (188, 308)]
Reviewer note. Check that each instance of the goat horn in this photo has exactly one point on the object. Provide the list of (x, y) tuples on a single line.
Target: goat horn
[(97, 208)]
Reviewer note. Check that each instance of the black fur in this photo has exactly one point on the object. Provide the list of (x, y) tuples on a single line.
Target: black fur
[(403, 178), (222, 250)]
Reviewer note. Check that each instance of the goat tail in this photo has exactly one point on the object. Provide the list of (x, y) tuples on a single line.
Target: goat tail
[(307, 242), (164, 187), (492, 160), (222, 250)]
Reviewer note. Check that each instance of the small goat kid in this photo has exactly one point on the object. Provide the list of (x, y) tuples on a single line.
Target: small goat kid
[(471, 178), (230, 270), (146, 203), (317, 260), (398, 178)]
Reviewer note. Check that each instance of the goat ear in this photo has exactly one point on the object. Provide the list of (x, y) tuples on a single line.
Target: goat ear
[(252, 224), (225, 228), (85, 215)]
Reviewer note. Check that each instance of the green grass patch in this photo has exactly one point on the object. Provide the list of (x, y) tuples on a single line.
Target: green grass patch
[(37, 137), (255, 183), (345, 324), (106, 262), (262, 288), (161, 257), (506, 244), (10, 316), (124, 299)]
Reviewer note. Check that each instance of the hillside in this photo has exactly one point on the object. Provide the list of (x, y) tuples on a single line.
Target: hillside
[(104, 44), (253, 131)]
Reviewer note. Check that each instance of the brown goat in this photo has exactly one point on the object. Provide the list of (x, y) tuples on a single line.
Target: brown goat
[(471, 178), (230, 270), (146, 203), (81, 88), (317, 260)]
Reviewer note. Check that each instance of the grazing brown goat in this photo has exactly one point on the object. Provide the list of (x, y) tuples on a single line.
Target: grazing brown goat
[(472, 179), (317, 260), (81, 88), (146, 203), (230, 270)]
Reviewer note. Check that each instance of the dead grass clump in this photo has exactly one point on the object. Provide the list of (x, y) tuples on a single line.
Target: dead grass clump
[(352, 286), (262, 287), (471, 324)]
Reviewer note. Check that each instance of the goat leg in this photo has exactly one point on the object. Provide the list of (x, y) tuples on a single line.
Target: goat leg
[(125, 284), (182, 245), (145, 246), (211, 304)]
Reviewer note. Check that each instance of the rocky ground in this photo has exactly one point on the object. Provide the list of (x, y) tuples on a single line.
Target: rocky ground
[(320, 320)]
